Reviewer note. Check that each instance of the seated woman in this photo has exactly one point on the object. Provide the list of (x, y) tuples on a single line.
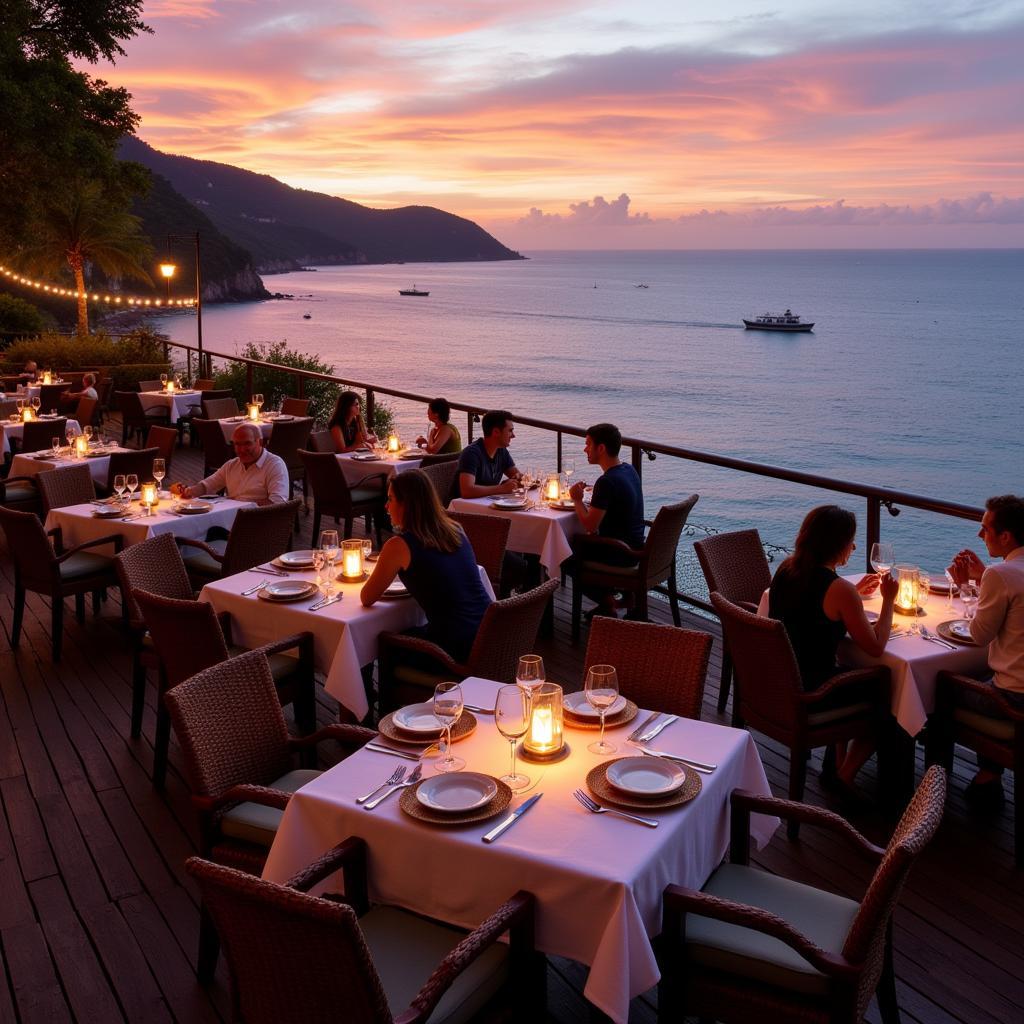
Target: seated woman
[(443, 437), (435, 561), (348, 430), (818, 609)]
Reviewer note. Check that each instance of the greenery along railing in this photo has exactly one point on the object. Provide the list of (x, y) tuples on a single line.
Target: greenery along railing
[(875, 498)]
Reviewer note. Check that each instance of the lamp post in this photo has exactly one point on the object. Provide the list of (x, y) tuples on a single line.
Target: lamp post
[(168, 269)]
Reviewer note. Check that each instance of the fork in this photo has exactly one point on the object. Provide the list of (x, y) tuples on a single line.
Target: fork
[(596, 808), (252, 590), (411, 781), (396, 776), (929, 635), (642, 728)]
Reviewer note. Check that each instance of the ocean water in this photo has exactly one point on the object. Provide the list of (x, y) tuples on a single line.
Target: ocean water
[(910, 379)]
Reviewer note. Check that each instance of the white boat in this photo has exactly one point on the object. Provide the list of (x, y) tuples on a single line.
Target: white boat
[(788, 321)]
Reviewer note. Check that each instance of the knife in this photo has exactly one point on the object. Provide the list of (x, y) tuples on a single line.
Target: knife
[(511, 819), (646, 724), (663, 724), (380, 748)]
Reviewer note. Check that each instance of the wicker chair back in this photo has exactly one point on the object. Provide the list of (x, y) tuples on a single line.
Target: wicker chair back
[(663, 539), (204, 384), (439, 460), (151, 385), (163, 440), (321, 441), (488, 536), (735, 565), (29, 548), (71, 485), (295, 406), (153, 565), (8, 406), (216, 448), (39, 434), (258, 535), (287, 438), (442, 476), (49, 396), (140, 463), (331, 492), (659, 667), (88, 411), (219, 408)]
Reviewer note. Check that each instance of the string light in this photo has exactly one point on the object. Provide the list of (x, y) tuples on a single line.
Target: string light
[(70, 293)]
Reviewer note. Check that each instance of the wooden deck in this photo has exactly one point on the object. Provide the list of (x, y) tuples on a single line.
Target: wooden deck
[(98, 922)]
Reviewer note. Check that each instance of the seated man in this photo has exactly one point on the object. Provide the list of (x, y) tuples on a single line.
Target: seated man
[(69, 400), (31, 371), (255, 475), (485, 466), (616, 507), (999, 618)]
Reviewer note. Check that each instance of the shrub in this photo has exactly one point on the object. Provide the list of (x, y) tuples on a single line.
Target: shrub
[(69, 352), (20, 317)]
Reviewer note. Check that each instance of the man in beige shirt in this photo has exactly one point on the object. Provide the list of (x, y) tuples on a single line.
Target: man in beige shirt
[(255, 475)]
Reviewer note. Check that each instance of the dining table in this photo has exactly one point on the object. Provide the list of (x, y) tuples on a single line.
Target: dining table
[(97, 460), (81, 523), (537, 529), (229, 424), (357, 465), (179, 404), (344, 633), (9, 430), (598, 879)]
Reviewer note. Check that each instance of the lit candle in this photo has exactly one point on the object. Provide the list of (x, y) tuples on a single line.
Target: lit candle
[(552, 489), (906, 596), (81, 446), (170, 387), (352, 559), (542, 729), (27, 414), (544, 739), (254, 412), (393, 442), (150, 494), (47, 377)]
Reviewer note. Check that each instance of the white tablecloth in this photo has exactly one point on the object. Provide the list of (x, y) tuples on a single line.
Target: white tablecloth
[(913, 661), (78, 523), (540, 531), (231, 423), (30, 391), (17, 430), (99, 465), (345, 634), (356, 469), (181, 403), (598, 879)]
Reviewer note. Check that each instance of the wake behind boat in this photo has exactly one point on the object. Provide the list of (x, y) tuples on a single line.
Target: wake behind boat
[(412, 291), (788, 321)]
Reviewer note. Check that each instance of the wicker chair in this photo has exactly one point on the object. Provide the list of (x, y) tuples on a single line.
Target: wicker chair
[(151, 385), (49, 396), (87, 412), (770, 697), (659, 667), (218, 408), (655, 563), (155, 566), (71, 485), (211, 394), (162, 441), (38, 435), (286, 440), (751, 946), (735, 565), (257, 535), (1000, 739), (138, 462), (295, 407), (189, 636), (204, 384), (442, 476), (238, 758), (439, 459), (488, 536), (507, 630), (8, 406), (321, 441), (216, 448), (20, 493), (105, 389), (135, 420), (368, 955), (49, 569), (332, 495)]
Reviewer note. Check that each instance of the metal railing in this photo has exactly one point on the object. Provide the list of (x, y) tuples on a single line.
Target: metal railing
[(876, 498)]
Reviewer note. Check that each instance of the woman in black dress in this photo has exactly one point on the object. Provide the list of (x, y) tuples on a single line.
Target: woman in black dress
[(348, 430)]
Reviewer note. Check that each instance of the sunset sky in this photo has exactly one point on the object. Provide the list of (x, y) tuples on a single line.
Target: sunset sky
[(649, 124)]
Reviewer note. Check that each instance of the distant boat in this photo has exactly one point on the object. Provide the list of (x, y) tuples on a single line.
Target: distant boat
[(641, 286), (787, 321), (412, 291), (307, 316)]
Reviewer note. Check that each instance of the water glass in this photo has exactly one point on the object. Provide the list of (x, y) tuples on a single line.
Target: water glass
[(119, 484), (319, 561), (131, 481), (448, 710), (952, 587), (331, 546), (530, 672), (512, 717), (882, 557), (601, 689), (55, 445), (159, 471), (969, 597), (367, 547)]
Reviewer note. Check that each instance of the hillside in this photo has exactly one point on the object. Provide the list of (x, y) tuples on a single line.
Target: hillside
[(284, 227)]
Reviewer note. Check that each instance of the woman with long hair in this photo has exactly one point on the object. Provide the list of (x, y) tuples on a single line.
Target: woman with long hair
[(434, 559), (818, 608), (347, 427), (443, 437)]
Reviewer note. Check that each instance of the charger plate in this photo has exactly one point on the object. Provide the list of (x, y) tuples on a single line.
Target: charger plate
[(411, 806), (462, 728), (951, 631), (623, 717), (598, 784)]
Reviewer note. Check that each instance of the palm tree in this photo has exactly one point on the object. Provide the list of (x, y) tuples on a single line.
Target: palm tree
[(87, 223)]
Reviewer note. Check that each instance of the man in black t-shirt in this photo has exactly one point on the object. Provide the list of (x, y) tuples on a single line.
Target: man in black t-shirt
[(485, 466)]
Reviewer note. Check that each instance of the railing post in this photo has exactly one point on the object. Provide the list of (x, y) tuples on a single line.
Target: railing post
[(874, 529), (469, 427), (188, 357), (637, 459), (558, 467), (248, 382), (302, 386), (370, 403)]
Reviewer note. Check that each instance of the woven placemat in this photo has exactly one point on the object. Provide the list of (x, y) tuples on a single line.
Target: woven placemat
[(461, 729), (411, 806), (597, 782), (623, 717), (947, 634)]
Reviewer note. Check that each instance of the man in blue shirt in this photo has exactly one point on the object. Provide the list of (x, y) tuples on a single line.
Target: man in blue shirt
[(485, 466)]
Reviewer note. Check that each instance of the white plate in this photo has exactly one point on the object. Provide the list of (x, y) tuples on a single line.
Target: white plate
[(193, 508), (296, 559), (565, 504), (364, 457), (396, 589), (457, 793), (288, 590), (646, 776), (409, 456), (961, 628), (577, 704), (511, 504), (418, 718), (107, 513)]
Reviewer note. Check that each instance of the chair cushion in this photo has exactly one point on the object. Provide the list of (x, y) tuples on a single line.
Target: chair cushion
[(366, 494), (997, 728), (281, 665), (255, 823), (822, 916), (406, 949), (84, 564), (198, 561), (836, 714), (419, 677), (626, 571), (18, 494)]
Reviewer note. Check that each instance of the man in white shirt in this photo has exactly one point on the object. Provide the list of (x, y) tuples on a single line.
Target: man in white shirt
[(255, 475), (999, 618)]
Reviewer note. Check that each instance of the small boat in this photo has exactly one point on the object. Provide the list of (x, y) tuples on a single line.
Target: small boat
[(641, 286), (307, 316), (412, 291), (788, 321)]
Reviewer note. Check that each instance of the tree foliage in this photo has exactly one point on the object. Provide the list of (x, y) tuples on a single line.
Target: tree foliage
[(19, 317)]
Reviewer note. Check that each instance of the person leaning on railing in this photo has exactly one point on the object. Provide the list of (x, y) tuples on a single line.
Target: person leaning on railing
[(254, 475), (442, 438), (347, 427), (485, 466)]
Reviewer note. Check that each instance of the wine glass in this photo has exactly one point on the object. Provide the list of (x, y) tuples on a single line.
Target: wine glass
[(119, 484), (159, 471), (530, 672), (258, 400), (602, 687), (131, 481), (882, 557), (36, 402), (448, 710), (70, 433), (20, 404), (952, 587), (163, 381), (568, 468), (512, 717), (319, 561), (87, 430), (969, 597)]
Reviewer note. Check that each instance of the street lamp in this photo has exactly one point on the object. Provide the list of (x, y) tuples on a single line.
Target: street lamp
[(168, 269)]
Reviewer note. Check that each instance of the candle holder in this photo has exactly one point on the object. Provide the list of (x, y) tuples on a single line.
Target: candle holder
[(171, 387), (352, 560), (552, 488), (394, 445), (27, 414), (909, 580), (149, 496), (47, 377), (254, 412), (81, 446), (544, 741)]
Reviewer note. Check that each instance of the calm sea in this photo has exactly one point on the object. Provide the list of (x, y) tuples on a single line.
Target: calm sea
[(910, 379)]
